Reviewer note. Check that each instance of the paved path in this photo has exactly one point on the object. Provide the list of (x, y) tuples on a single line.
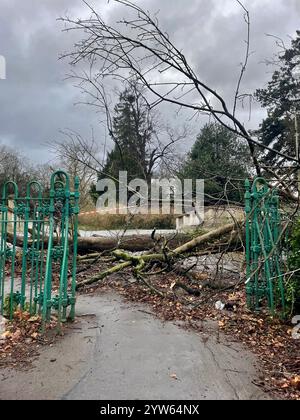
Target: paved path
[(123, 352)]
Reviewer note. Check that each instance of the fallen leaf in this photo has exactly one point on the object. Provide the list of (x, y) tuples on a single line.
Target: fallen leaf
[(295, 382), (6, 334), (16, 335), (34, 318)]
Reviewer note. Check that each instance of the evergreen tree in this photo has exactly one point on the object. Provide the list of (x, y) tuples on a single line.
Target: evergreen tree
[(277, 130), (221, 160), (131, 132)]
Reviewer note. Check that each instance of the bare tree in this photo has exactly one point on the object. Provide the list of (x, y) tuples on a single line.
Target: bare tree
[(77, 156), (155, 141), (16, 167), (138, 48)]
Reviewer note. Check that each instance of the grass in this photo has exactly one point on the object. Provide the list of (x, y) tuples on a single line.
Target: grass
[(115, 221)]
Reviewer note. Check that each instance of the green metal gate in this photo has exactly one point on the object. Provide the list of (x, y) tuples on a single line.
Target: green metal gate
[(37, 233), (264, 236)]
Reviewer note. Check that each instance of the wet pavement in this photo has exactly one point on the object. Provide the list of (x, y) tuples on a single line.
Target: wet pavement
[(119, 350)]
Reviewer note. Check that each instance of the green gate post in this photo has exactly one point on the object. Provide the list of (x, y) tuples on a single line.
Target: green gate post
[(249, 280), (263, 236), (9, 253), (75, 197), (25, 250), (3, 254), (40, 249), (46, 310)]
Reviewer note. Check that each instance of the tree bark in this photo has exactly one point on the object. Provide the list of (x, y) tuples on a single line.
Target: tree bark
[(134, 243), (139, 261)]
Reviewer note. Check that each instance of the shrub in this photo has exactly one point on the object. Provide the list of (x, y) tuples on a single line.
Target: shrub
[(114, 221)]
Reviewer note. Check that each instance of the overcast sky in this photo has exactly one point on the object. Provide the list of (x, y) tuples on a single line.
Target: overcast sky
[(37, 102)]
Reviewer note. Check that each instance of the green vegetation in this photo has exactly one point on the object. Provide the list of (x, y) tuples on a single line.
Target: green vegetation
[(136, 146), (115, 221), (277, 130), (222, 160)]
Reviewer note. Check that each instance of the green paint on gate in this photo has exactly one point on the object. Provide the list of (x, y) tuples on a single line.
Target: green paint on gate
[(39, 276), (264, 237)]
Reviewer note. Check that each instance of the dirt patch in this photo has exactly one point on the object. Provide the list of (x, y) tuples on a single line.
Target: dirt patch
[(22, 340)]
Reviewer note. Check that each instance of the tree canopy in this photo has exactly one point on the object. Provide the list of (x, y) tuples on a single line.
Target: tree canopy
[(132, 133), (278, 97), (221, 160)]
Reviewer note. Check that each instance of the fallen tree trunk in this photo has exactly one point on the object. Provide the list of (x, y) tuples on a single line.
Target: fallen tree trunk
[(104, 274), (202, 239), (139, 261), (10, 239), (188, 246), (134, 243)]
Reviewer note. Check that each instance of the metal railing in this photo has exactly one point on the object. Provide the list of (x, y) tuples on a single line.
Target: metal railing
[(264, 237), (37, 233)]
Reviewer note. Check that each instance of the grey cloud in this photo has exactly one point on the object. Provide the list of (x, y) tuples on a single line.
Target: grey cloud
[(36, 102)]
